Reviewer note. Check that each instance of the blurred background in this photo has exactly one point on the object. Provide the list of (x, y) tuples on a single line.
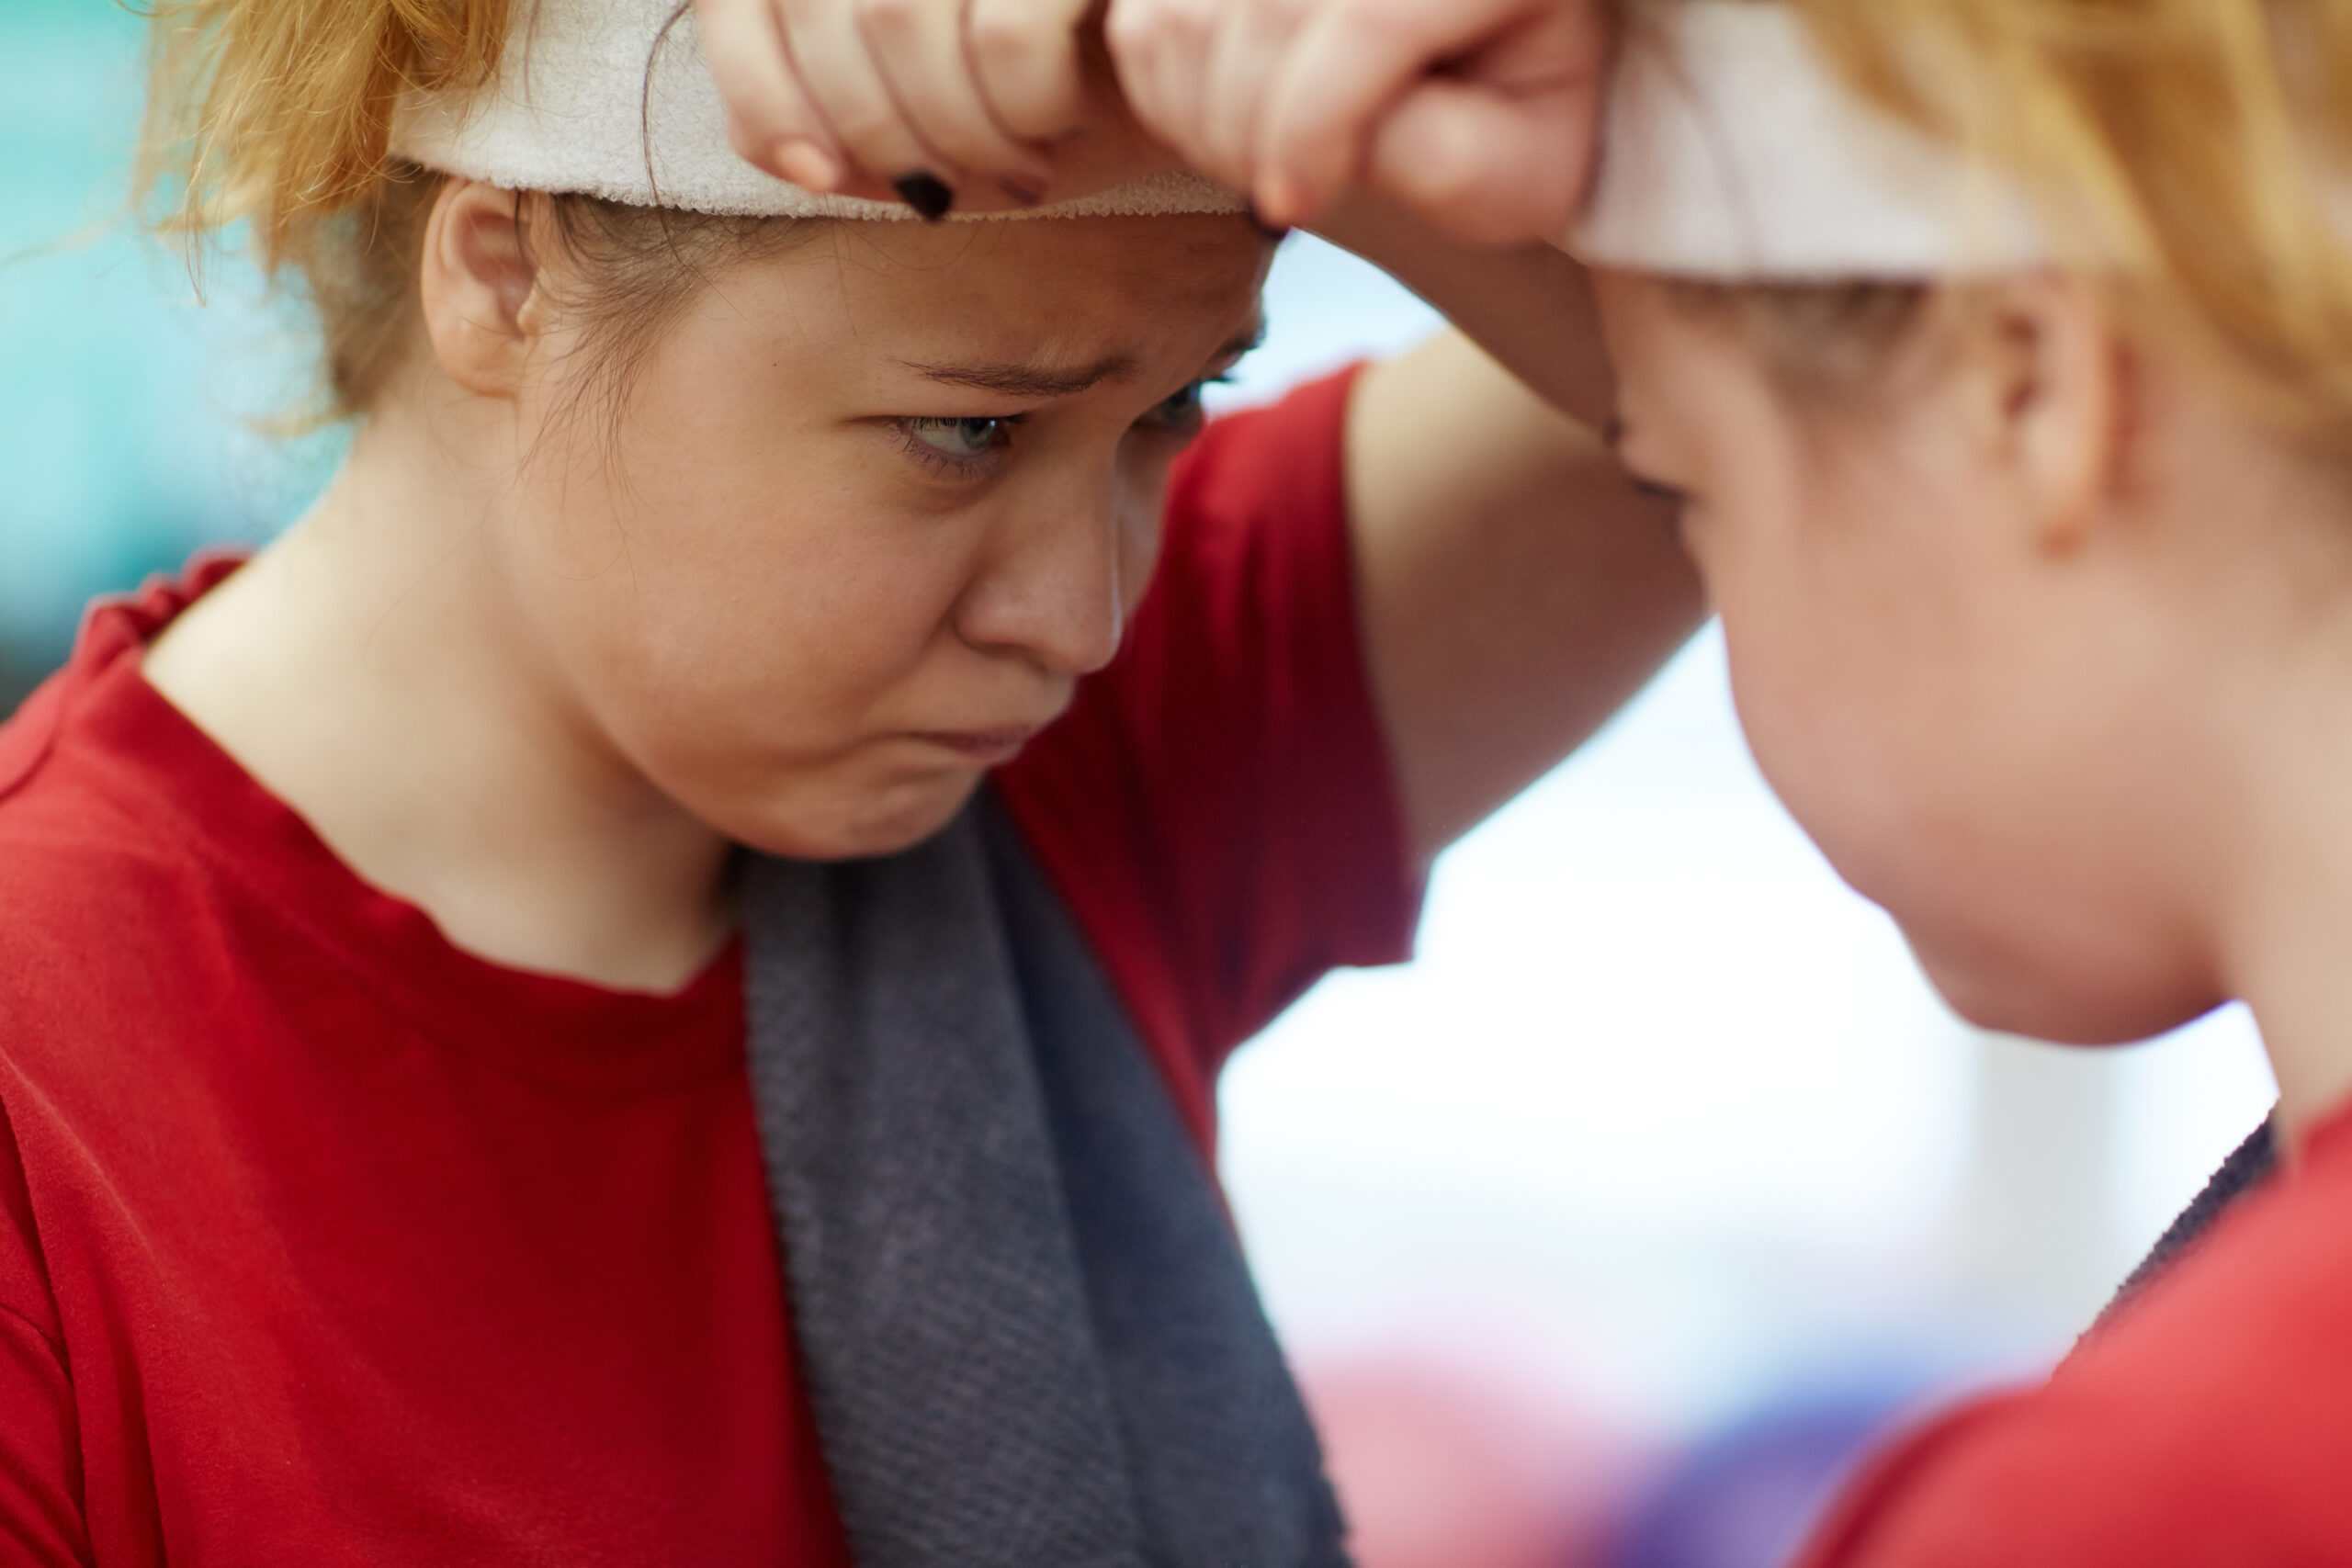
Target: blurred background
[(1606, 1232)]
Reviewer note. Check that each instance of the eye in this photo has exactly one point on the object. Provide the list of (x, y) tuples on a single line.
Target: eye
[(961, 440), (1180, 412)]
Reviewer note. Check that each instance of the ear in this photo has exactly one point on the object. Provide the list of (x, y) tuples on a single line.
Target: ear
[(2051, 390), (480, 286)]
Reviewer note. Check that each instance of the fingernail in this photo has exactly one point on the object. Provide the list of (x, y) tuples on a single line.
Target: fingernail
[(806, 164), (927, 194), (1025, 194), (1274, 233)]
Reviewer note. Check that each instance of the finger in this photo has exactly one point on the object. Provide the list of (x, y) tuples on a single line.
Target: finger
[(917, 47), (1249, 44), (770, 121), (1488, 167), (1347, 61), (831, 61), (1132, 35), (1161, 50), (1024, 55)]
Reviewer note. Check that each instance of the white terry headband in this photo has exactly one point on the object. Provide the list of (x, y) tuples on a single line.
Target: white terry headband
[(1732, 153), (575, 108)]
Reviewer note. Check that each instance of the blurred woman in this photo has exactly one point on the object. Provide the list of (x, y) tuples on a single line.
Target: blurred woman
[(2000, 365)]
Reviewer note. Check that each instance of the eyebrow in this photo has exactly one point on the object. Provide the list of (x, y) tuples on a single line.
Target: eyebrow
[(1017, 380)]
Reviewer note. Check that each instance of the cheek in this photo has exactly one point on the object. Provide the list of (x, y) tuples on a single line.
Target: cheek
[(1809, 707), (758, 686), (1841, 639), (722, 626), (1937, 723)]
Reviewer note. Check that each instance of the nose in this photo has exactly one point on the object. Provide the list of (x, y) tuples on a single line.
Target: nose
[(1054, 589)]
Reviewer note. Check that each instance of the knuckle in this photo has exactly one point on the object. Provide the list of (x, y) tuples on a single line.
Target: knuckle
[(1001, 37), (1128, 31), (1193, 21), (1187, 23), (887, 17), (872, 129)]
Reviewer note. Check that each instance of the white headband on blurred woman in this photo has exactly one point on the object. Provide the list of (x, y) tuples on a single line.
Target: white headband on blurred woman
[(1732, 153), (611, 99)]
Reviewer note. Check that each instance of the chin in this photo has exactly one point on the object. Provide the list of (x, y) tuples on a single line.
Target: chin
[(2075, 1006), (855, 825)]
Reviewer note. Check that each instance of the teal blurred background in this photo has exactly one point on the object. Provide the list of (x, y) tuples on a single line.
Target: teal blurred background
[(127, 417)]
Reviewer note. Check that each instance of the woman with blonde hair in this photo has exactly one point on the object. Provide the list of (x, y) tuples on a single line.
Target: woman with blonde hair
[(2007, 407), (643, 986)]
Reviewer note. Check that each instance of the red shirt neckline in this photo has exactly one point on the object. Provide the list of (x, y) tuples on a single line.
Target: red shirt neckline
[(2326, 1138), (552, 1027)]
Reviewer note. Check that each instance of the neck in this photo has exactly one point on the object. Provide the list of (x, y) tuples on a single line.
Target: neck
[(2247, 587), (2288, 932), (368, 669), (2283, 915)]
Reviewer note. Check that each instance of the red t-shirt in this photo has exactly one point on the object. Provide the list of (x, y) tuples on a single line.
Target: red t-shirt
[(2209, 1426), (323, 1241)]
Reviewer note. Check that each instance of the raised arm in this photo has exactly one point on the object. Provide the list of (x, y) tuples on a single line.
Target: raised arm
[(1516, 588)]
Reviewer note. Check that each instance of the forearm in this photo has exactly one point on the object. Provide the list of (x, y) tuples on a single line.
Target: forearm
[(1529, 306), (1515, 589)]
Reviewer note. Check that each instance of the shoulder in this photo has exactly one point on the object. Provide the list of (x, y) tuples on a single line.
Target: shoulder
[(1285, 457), (2210, 1423), (101, 898)]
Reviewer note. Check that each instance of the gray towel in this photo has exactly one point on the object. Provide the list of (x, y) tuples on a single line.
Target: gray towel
[(1027, 1331), (2249, 1165)]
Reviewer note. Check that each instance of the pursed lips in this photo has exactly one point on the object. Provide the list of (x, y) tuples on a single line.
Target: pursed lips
[(982, 747)]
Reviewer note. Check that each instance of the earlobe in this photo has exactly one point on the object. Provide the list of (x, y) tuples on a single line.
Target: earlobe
[(479, 288), (2060, 372)]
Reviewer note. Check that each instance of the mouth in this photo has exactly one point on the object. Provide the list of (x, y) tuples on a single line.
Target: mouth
[(980, 747)]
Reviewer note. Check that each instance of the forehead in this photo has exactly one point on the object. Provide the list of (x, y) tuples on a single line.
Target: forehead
[(1681, 358), (1649, 334), (1141, 288)]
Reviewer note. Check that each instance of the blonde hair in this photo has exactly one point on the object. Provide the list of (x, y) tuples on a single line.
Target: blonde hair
[(276, 114), (2194, 156)]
